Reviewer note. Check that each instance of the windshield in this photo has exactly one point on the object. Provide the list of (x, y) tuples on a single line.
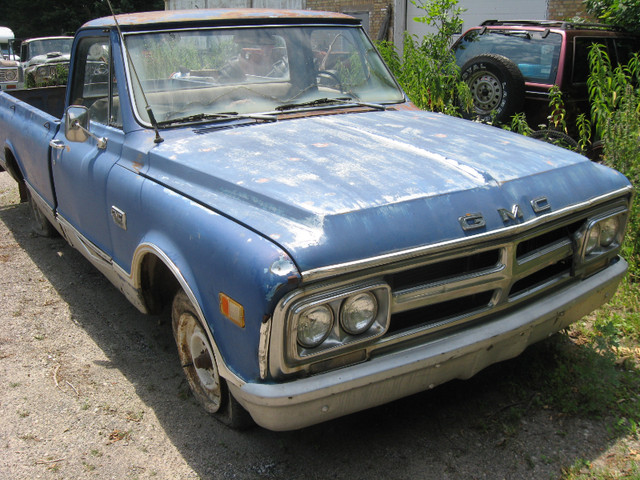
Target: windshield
[(42, 47), (536, 53), (255, 70), (6, 50)]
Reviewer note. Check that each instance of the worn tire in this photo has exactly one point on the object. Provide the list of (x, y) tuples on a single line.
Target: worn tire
[(497, 87), (596, 151), (39, 223), (555, 137), (199, 364)]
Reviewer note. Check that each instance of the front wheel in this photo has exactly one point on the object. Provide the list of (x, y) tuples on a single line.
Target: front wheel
[(199, 364)]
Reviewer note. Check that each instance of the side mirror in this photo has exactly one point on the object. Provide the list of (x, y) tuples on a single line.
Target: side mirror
[(76, 126)]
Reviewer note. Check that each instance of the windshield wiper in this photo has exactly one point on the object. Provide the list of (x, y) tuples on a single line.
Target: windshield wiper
[(318, 102), (200, 117)]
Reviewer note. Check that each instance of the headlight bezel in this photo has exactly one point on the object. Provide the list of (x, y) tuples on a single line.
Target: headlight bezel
[(338, 339), (590, 244)]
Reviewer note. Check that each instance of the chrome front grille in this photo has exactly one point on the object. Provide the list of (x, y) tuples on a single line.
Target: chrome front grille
[(9, 75), (465, 286), (443, 287)]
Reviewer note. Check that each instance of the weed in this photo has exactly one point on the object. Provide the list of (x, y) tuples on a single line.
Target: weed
[(427, 69), (579, 467), (135, 416)]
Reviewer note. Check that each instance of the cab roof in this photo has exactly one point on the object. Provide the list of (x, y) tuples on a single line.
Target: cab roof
[(219, 16)]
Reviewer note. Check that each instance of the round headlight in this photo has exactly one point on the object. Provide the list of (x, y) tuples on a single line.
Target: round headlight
[(314, 326), (11, 75), (593, 240), (358, 313), (609, 231)]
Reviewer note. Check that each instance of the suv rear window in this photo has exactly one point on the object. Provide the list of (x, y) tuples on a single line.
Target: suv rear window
[(535, 53)]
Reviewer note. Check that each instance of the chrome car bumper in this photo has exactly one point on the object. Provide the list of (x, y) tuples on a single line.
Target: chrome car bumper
[(319, 398)]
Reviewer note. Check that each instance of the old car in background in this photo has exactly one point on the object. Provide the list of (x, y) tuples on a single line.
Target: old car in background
[(45, 60), (6, 44), (10, 71), (511, 66), (10, 74)]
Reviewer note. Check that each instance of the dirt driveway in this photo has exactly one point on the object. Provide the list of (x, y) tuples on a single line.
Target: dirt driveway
[(92, 389)]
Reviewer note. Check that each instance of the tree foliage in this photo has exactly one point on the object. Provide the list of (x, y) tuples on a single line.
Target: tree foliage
[(623, 13), (38, 18)]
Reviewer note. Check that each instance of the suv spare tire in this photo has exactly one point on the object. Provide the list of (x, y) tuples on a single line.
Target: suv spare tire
[(496, 84)]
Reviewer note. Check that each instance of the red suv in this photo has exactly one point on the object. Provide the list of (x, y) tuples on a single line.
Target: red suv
[(510, 66)]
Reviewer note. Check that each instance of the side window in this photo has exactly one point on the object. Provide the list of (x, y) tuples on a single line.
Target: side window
[(93, 85), (625, 48), (581, 47)]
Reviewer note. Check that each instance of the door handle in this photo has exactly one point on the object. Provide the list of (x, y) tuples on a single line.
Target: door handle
[(57, 144)]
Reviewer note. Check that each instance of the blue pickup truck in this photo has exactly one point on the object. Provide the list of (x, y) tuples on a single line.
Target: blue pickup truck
[(323, 246)]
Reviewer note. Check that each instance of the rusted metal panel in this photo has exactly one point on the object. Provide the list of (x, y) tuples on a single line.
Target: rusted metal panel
[(220, 15)]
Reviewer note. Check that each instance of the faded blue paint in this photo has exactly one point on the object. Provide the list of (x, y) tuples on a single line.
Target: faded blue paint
[(333, 189)]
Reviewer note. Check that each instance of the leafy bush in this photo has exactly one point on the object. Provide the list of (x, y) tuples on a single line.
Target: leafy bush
[(427, 69), (615, 111)]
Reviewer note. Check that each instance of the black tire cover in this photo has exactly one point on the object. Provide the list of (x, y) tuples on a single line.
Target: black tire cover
[(497, 87)]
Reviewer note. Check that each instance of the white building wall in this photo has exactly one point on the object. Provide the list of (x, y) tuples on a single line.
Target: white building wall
[(477, 11)]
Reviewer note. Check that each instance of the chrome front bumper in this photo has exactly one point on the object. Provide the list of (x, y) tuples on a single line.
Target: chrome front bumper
[(300, 403)]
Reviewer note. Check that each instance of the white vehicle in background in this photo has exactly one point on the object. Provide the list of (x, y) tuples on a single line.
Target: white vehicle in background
[(10, 72), (6, 44), (45, 59)]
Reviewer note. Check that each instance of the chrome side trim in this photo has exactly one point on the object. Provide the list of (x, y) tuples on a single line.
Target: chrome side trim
[(103, 262), (349, 267)]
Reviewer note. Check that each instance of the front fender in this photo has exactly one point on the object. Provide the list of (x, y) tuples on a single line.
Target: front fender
[(210, 254)]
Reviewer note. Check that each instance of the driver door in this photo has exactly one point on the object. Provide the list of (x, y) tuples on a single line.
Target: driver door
[(81, 169)]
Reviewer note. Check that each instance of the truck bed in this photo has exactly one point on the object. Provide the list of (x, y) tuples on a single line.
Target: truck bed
[(47, 99)]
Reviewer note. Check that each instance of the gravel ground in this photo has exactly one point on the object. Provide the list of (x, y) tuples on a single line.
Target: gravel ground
[(91, 388)]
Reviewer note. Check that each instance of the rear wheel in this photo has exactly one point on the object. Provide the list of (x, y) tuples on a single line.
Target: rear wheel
[(39, 222), (200, 366), (555, 137)]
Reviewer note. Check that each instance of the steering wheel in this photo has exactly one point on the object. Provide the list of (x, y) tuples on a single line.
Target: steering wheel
[(331, 76)]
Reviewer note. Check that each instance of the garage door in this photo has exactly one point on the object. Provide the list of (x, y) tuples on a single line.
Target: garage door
[(480, 10)]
